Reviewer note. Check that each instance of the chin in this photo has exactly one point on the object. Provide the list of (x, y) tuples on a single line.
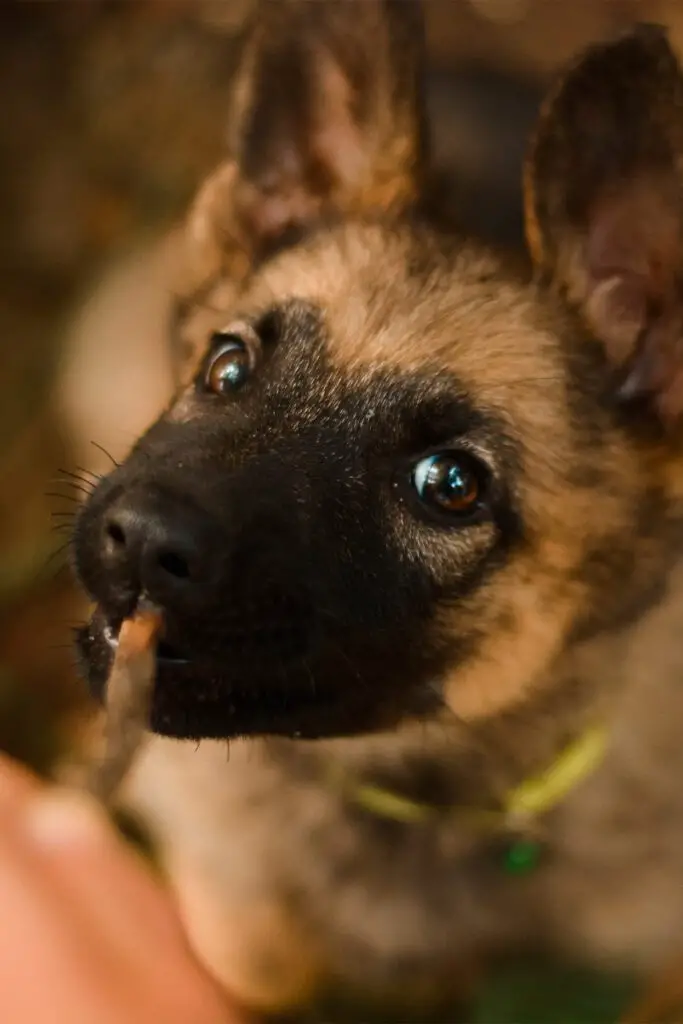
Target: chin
[(232, 697)]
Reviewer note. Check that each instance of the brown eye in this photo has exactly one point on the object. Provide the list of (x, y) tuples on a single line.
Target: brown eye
[(231, 364), (449, 482)]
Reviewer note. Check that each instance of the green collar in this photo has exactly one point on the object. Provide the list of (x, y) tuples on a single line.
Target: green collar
[(519, 809)]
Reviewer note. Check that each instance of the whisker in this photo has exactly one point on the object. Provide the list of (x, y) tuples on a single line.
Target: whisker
[(76, 485), (96, 477), (60, 550), (80, 493), (82, 489), (54, 572), (50, 562), (79, 477), (66, 498), (105, 452)]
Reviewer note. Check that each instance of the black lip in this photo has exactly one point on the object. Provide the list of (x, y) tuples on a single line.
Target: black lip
[(204, 701)]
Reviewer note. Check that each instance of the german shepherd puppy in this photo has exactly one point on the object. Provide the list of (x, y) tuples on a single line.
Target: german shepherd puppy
[(415, 521)]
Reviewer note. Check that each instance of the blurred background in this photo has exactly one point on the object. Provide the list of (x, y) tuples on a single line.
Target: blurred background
[(115, 110)]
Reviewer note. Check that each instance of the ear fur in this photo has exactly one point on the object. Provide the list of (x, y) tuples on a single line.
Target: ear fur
[(603, 198), (328, 120)]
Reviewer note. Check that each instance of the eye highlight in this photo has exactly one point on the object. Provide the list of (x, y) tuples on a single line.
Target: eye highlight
[(233, 359), (451, 483)]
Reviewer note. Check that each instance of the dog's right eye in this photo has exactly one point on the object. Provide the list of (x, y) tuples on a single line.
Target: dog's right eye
[(231, 363)]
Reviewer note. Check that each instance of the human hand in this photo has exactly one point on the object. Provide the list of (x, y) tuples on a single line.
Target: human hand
[(87, 936)]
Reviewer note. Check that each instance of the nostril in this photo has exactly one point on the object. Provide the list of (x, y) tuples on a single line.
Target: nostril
[(157, 545), (174, 564), (116, 535)]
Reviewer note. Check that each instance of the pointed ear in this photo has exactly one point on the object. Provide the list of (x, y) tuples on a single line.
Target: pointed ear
[(603, 193), (328, 120)]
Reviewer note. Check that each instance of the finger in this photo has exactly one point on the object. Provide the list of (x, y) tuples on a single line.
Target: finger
[(112, 892), (60, 957), (100, 877), (43, 955), (17, 785)]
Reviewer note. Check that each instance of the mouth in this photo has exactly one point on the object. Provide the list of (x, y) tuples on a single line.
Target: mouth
[(166, 654), (244, 691)]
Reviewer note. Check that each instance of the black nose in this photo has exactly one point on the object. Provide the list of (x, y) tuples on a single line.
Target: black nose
[(156, 544)]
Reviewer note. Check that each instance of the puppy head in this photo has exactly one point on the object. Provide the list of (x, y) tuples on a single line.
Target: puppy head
[(395, 475)]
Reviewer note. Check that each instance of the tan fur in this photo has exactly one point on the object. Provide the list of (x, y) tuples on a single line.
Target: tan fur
[(380, 318), (285, 888), (523, 614), (581, 904)]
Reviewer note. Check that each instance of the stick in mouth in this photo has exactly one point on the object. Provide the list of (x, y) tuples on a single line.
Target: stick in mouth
[(128, 699)]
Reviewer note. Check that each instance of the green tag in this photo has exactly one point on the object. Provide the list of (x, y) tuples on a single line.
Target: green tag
[(522, 856)]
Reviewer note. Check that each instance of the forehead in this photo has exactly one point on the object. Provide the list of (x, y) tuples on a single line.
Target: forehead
[(404, 303), (401, 302)]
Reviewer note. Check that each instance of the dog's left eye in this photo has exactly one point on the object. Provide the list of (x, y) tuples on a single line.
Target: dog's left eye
[(450, 483), (232, 361)]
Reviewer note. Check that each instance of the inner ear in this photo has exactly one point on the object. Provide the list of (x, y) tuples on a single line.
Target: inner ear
[(298, 154), (328, 112), (632, 255), (328, 121), (603, 195)]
